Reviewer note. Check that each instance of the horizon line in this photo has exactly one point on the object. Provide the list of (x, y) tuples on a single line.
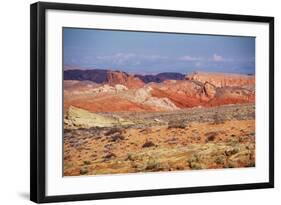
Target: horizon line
[(152, 73)]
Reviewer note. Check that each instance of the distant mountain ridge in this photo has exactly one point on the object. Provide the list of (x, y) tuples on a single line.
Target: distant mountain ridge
[(160, 77), (109, 76), (96, 75)]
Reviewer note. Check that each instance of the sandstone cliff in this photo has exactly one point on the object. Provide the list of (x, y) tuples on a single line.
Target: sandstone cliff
[(118, 77), (223, 79)]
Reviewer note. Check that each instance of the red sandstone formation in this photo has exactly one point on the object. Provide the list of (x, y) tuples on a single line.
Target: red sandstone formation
[(117, 77), (182, 93), (192, 93), (108, 103), (199, 89), (223, 79)]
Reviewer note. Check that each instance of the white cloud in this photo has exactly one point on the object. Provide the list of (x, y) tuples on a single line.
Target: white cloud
[(117, 58), (189, 58), (131, 58), (217, 58)]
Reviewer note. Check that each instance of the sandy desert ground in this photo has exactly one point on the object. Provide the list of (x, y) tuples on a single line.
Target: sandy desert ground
[(195, 138)]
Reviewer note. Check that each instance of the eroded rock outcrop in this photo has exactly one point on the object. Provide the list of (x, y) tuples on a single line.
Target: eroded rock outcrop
[(223, 79), (124, 92), (183, 94), (118, 77), (80, 118), (193, 93), (143, 96)]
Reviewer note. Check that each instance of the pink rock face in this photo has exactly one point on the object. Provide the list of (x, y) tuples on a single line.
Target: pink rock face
[(125, 92), (207, 90), (223, 79), (117, 77), (183, 94)]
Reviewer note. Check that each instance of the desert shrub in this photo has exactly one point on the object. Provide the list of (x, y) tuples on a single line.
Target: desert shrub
[(155, 165), (193, 158), (243, 138), (220, 159), (232, 141), (116, 137), (196, 165), (148, 144), (135, 165), (86, 162), (109, 155), (210, 136), (231, 151), (195, 162), (67, 130), (251, 164), (252, 134), (250, 147), (180, 167), (230, 164), (131, 157), (67, 165), (176, 124), (151, 164), (66, 157), (113, 131), (84, 170)]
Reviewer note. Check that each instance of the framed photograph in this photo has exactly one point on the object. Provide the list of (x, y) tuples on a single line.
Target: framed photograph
[(129, 102)]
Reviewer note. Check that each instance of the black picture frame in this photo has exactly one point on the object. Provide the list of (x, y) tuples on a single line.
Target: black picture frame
[(38, 101)]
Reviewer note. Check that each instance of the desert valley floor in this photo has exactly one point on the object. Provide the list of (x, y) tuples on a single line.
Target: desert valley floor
[(127, 126), (195, 139)]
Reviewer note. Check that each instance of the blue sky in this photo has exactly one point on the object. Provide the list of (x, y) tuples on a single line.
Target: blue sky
[(150, 53)]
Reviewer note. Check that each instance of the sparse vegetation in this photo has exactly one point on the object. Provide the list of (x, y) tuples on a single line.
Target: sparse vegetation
[(113, 131), (152, 165), (195, 165), (220, 159), (116, 137), (87, 162), (210, 136), (165, 145), (231, 151), (217, 119), (176, 125), (131, 156), (193, 158), (251, 164), (148, 144), (83, 170), (109, 155)]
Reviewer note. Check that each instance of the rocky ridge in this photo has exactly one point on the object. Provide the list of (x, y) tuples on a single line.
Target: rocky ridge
[(129, 93)]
